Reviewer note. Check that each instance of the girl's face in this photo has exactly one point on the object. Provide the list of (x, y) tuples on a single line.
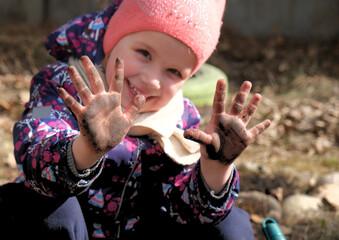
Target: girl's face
[(156, 66)]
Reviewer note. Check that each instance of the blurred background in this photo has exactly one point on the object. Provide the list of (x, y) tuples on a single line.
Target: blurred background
[(288, 49)]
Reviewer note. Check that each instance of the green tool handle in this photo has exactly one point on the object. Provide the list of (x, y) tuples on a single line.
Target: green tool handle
[(272, 230)]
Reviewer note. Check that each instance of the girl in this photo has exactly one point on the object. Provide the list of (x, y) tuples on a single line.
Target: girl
[(119, 135)]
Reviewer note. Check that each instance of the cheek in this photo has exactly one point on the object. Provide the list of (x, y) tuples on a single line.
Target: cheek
[(170, 88), (166, 95), (132, 67)]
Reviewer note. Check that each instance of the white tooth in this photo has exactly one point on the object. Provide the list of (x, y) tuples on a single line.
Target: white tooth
[(134, 90)]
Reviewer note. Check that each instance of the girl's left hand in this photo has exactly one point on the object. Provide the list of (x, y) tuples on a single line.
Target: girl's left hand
[(226, 136)]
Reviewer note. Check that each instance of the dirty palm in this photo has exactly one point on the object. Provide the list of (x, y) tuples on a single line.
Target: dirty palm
[(224, 138)]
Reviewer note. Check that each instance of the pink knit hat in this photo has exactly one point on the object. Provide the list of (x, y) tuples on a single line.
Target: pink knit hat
[(196, 23)]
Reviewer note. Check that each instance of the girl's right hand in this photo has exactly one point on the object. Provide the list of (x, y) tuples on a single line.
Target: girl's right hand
[(102, 123)]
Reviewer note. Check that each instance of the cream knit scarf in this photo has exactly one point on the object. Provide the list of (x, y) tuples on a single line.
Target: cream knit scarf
[(159, 125)]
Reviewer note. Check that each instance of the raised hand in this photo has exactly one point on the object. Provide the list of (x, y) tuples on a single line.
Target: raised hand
[(226, 135), (102, 123)]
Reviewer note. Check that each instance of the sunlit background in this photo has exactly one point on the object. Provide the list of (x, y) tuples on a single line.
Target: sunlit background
[(288, 49)]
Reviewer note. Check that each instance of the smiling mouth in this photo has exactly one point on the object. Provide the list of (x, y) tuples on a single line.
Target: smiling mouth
[(136, 92), (133, 89)]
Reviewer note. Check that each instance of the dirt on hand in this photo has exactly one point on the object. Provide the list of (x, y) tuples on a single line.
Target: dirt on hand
[(299, 83)]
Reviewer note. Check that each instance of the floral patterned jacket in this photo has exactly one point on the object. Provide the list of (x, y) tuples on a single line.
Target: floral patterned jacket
[(136, 180)]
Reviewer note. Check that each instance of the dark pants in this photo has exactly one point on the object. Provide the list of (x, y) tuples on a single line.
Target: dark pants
[(25, 214)]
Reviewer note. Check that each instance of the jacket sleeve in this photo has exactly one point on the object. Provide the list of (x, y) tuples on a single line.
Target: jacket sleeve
[(42, 137), (190, 199)]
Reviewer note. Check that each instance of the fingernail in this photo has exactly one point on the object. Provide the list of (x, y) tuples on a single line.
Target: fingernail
[(246, 86), (268, 123), (139, 101), (70, 69), (187, 136), (141, 98), (119, 62)]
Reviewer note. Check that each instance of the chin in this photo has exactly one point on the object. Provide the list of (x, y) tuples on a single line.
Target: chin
[(150, 107)]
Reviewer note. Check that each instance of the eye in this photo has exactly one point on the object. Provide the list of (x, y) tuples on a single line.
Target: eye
[(175, 72), (144, 53)]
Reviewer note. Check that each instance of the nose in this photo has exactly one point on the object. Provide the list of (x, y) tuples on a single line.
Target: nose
[(151, 78)]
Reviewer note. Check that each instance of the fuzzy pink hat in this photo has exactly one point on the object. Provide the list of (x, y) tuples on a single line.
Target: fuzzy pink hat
[(196, 23)]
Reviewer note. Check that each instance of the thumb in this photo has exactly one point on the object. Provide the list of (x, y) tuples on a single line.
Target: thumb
[(134, 107), (198, 136)]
